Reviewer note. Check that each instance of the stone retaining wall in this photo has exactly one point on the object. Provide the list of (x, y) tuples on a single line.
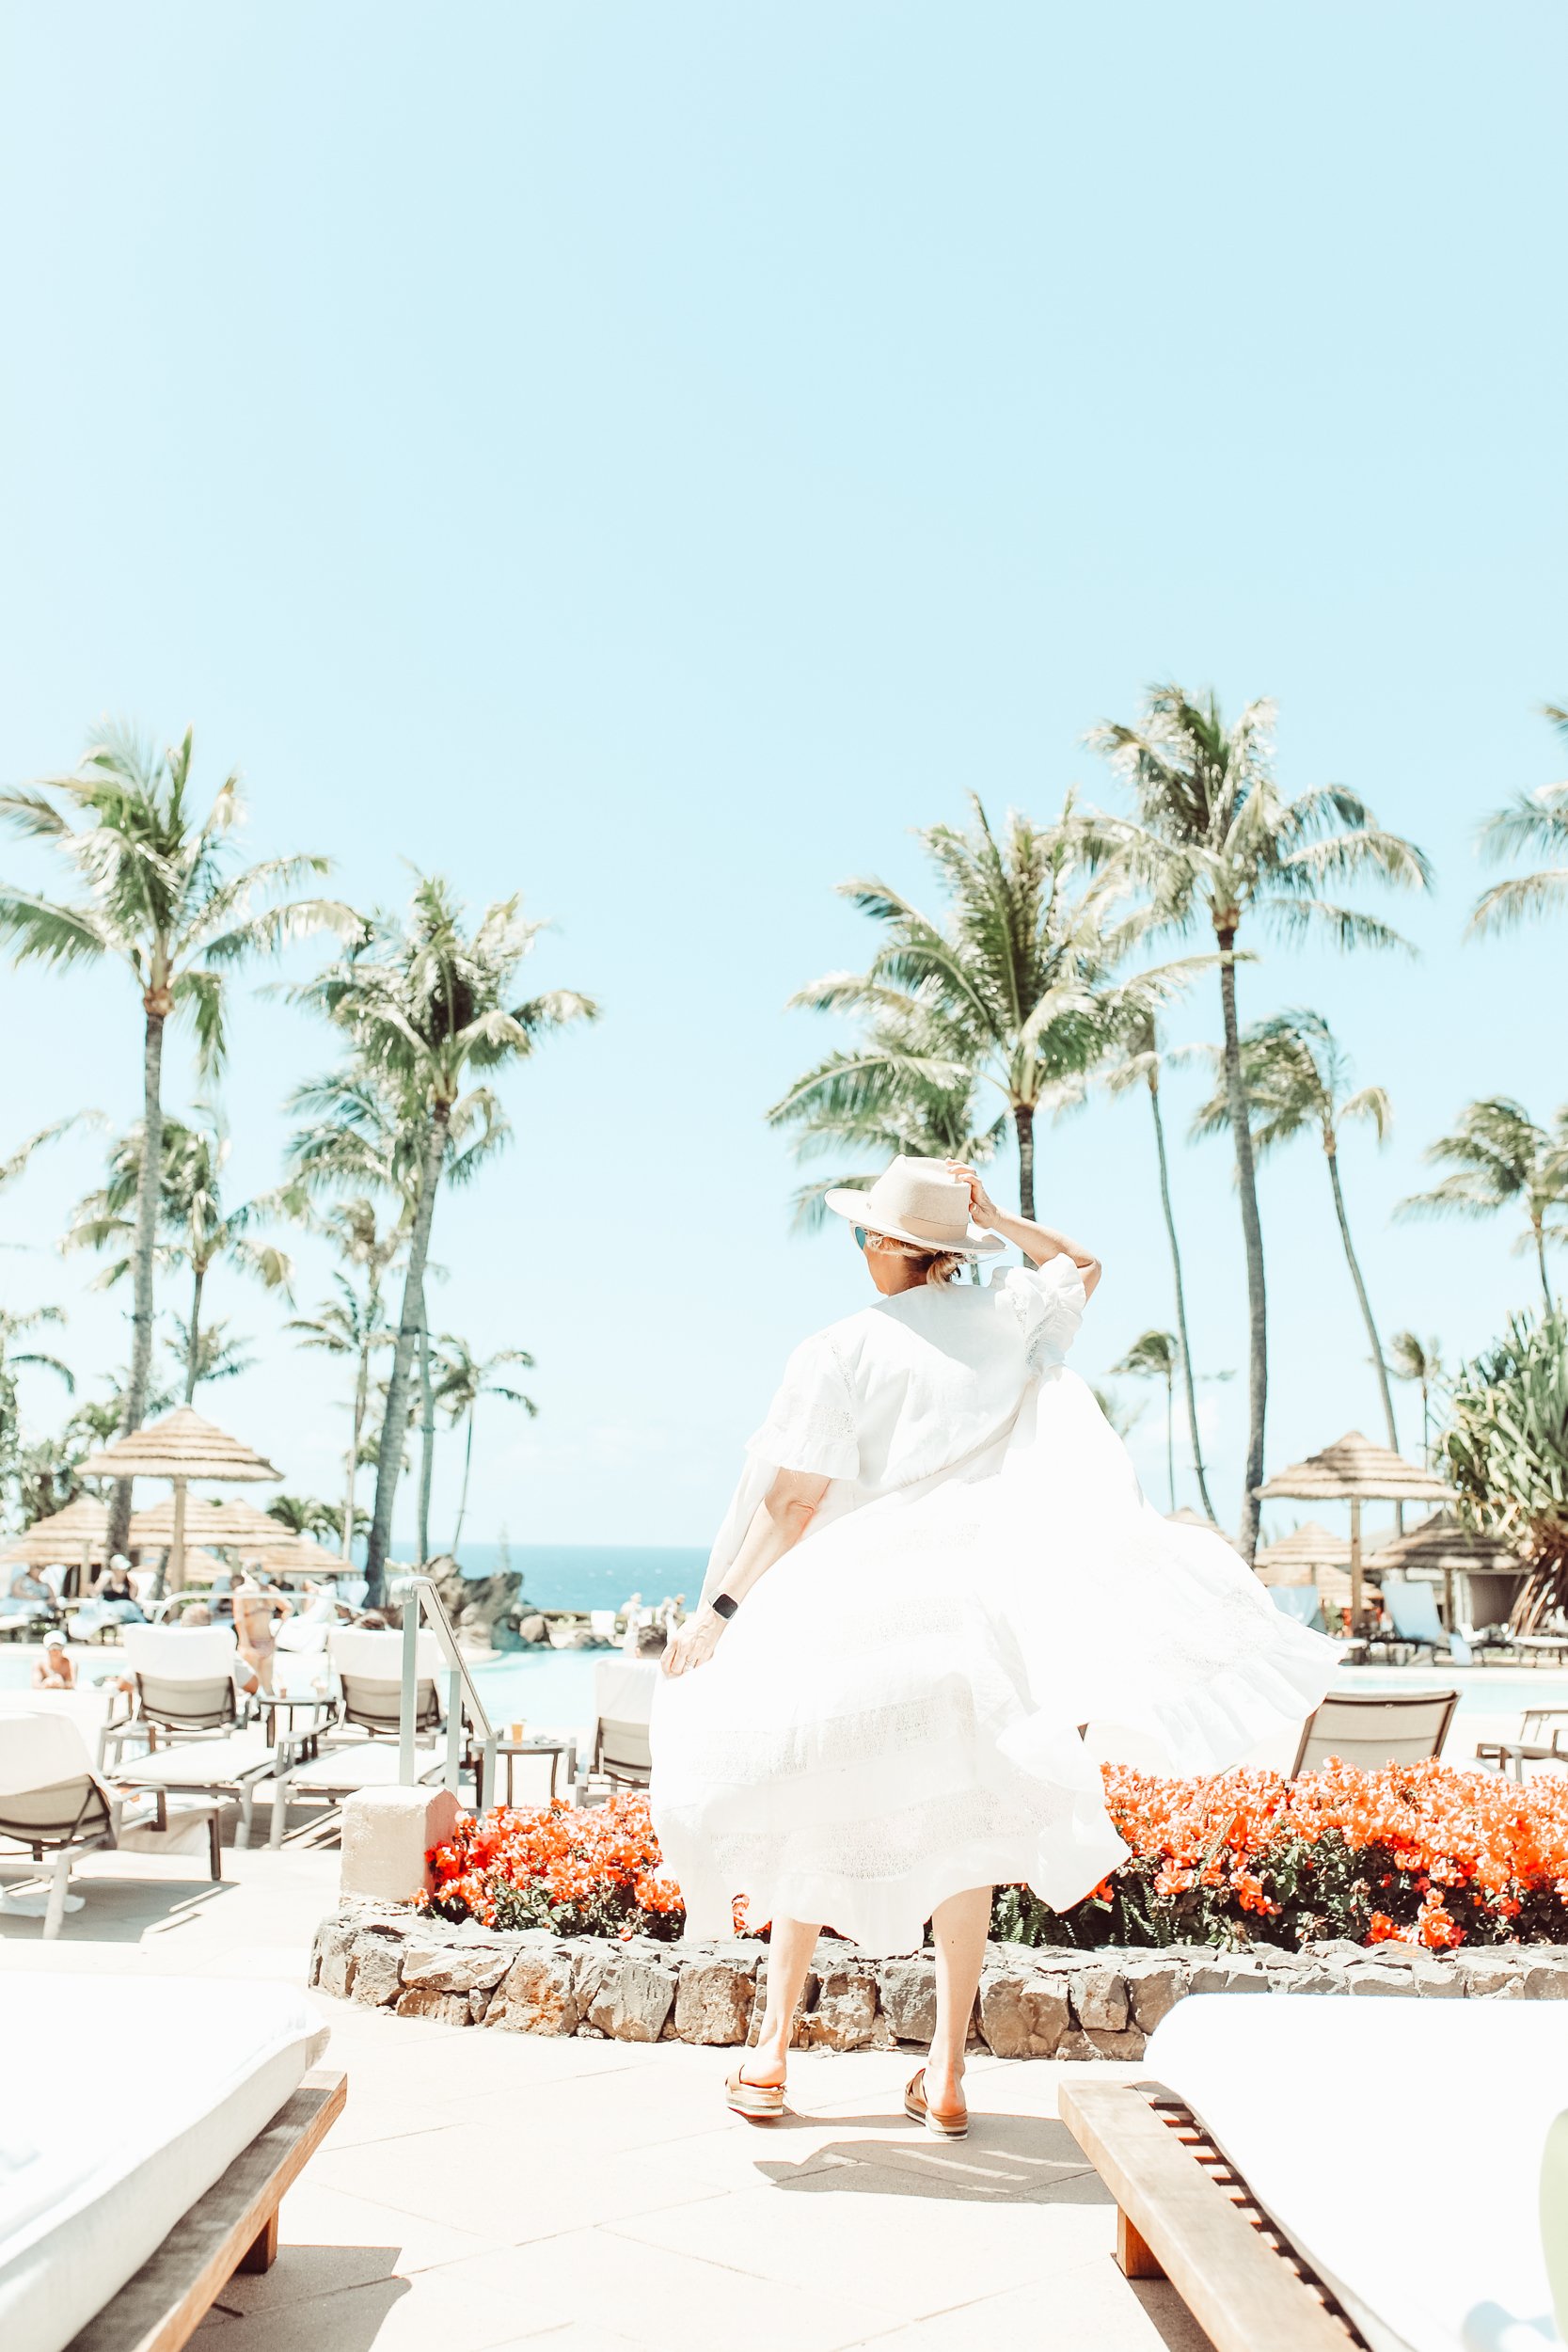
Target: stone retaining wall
[(1047, 2003)]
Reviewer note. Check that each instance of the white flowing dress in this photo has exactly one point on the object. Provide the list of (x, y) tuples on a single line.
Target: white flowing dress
[(893, 1715)]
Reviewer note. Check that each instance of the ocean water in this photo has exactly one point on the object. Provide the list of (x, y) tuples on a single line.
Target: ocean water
[(588, 1576)]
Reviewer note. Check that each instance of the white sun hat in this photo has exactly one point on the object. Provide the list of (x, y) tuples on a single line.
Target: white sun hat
[(917, 1201)]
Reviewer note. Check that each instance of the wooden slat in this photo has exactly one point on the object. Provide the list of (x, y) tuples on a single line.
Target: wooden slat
[(159, 2309), (1232, 2280)]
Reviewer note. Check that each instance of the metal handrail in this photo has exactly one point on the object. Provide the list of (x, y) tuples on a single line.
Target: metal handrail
[(423, 1600)]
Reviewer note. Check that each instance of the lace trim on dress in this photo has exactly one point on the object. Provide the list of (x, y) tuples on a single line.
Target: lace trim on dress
[(811, 1422), (1048, 1301)]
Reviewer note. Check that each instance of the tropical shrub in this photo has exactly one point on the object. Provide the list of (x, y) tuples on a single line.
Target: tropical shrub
[(1506, 1451), (1418, 1851)]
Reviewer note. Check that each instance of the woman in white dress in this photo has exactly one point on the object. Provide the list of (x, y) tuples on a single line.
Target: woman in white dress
[(938, 1598)]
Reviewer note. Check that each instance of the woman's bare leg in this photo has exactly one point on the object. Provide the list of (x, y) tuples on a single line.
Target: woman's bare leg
[(959, 1928), (790, 1946)]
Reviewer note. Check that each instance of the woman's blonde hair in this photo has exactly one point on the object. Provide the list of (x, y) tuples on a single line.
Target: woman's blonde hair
[(939, 1266)]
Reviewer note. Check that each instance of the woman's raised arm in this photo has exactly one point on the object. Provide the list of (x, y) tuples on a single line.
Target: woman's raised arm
[(1038, 1243)]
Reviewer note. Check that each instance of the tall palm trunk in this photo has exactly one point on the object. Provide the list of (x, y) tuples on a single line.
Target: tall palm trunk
[(394, 1421), (193, 1338), (1538, 1229), (1170, 1436), (1252, 1234), (157, 1005), (427, 1430), (1023, 1123), (1189, 1383), (361, 1397), (463, 1497), (1354, 1265)]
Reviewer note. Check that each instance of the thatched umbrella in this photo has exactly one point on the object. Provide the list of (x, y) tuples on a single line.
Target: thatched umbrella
[(1297, 1557), (181, 1447), (1354, 1470), (1187, 1517), (79, 1533), (1441, 1544)]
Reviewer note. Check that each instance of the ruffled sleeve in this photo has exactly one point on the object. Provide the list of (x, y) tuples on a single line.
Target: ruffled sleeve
[(811, 1423), (1049, 1302)]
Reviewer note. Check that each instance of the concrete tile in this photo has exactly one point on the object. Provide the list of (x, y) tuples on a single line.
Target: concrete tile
[(577, 2336), (329, 2242), (441, 2308), (859, 2229), (663, 2301), (1089, 2305), (505, 2186)]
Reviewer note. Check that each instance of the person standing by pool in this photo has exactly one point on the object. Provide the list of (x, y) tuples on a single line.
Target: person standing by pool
[(254, 1624), (937, 1573)]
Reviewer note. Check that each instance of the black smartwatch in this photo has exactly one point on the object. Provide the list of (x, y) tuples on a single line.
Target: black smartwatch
[(722, 1606)]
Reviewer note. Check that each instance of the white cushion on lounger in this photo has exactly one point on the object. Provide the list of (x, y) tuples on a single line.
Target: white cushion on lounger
[(113, 2126), (1396, 2142), (378, 1656), (194, 1653), (38, 1750), (623, 1689), (197, 1763)]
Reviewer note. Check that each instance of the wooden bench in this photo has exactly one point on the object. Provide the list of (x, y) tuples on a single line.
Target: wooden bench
[(1184, 2214), (233, 2227)]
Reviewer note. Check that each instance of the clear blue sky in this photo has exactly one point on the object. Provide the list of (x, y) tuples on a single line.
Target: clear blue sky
[(654, 458)]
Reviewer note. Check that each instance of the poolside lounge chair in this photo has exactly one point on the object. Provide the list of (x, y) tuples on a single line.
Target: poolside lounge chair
[(1541, 1731), (340, 1770), (1372, 1727), (145, 2167), (229, 1771), (184, 1684), (369, 1667), (1412, 1608), (1302, 1601), (55, 1805), (1285, 2219)]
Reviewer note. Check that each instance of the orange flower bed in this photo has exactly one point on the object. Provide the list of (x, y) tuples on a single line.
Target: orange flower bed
[(1422, 1853), (593, 1872)]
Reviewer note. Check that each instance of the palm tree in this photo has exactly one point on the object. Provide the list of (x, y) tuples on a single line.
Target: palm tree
[(1012, 992), (897, 1092), (1421, 1360), (1139, 1061), (423, 1007), (219, 1355), (159, 896), (465, 1377), (1498, 1157), (303, 1514), (195, 1230), (352, 1326), (1535, 822), (17, 1324), (1215, 840), (1157, 1356), (1294, 1075)]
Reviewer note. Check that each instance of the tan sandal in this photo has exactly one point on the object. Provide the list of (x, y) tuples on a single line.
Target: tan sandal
[(760, 2103), (944, 2122)]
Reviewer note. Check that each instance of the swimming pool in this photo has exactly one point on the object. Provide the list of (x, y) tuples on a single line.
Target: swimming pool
[(549, 1690)]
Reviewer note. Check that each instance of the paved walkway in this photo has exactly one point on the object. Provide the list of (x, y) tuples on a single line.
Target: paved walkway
[(491, 2189)]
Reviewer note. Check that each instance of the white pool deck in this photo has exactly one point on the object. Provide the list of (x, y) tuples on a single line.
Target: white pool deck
[(490, 2190)]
